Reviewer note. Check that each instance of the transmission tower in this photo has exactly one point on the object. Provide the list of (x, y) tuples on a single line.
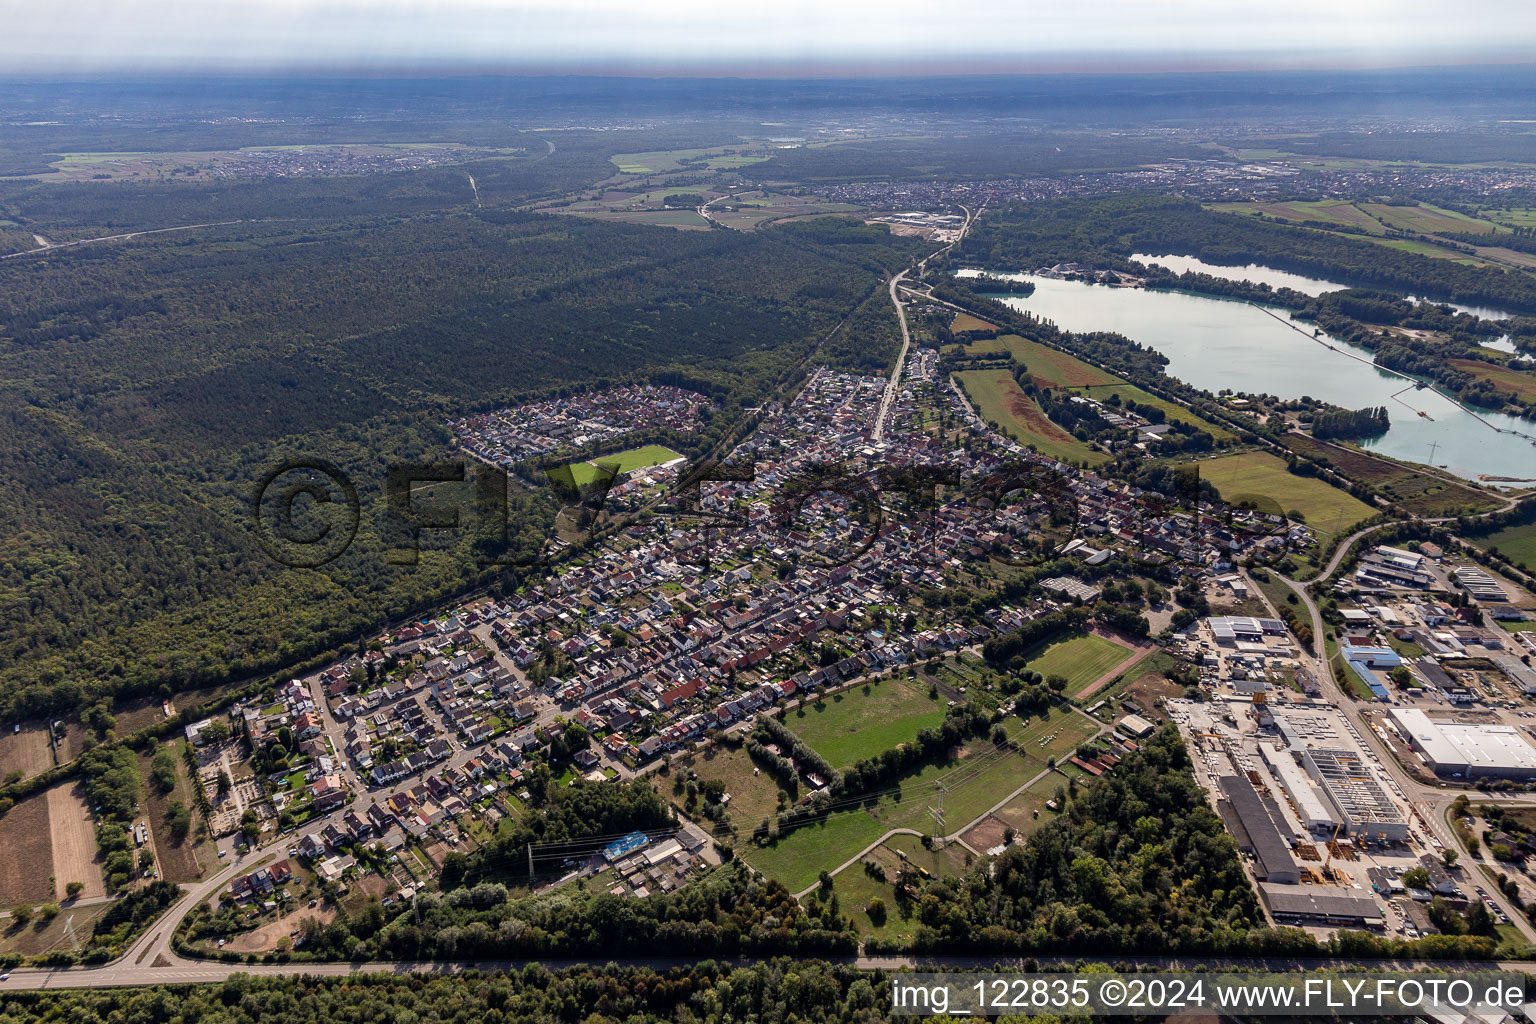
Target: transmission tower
[(938, 817)]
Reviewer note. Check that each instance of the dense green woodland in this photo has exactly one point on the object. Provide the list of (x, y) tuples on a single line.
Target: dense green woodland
[(782, 991), (149, 384)]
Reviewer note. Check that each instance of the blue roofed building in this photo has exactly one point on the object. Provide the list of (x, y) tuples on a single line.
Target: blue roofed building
[(623, 847)]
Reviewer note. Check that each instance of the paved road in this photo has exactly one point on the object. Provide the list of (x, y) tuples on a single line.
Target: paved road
[(114, 238), (113, 975), (894, 387)]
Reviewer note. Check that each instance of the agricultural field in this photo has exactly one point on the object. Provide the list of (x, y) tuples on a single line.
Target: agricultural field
[(1517, 543), (1083, 659), (1027, 811), (682, 219), (950, 860), (1052, 366), (855, 889), (1514, 382), (1264, 479), (191, 165), (853, 725), (749, 211), (1427, 249), (27, 751), (1426, 219), (965, 322), (1420, 493), (28, 860), (1332, 211), (1058, 369), (584, 473), (1056, 735), (72, 834), (999, 399), (975, 780), (187, 860), (1515, 218), (668, 160)]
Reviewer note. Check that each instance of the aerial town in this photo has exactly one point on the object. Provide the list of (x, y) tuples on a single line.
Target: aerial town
[(667, 637)]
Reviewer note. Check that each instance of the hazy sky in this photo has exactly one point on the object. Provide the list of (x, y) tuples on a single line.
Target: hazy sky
[(952, 35)]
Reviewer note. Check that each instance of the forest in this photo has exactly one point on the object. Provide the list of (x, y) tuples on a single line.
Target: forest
[(1137, 863), (780, 991), (149, 384)]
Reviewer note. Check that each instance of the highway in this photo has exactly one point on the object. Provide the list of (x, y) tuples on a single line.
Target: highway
[(115, 975), (893, 388)]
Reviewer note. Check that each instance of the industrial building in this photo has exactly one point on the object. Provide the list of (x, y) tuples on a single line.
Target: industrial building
[(1479, 583), (1365, 809), (1310, 904), (1137, 726), (1272, 857), (1311, 808), (1234, 629), (1362, 656), (1464, 749)]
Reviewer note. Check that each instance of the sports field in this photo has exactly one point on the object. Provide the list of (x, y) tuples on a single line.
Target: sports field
[(999, 399), (1082, 658), (1264, 479), (622, 462), (852, 725)]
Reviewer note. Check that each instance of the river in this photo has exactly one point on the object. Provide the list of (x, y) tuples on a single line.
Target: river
[(1216, 343)]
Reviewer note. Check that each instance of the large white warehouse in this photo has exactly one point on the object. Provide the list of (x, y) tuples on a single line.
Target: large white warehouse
[(1470, 751)]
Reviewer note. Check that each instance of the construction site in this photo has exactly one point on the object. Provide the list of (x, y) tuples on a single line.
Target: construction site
[(1323, 830)]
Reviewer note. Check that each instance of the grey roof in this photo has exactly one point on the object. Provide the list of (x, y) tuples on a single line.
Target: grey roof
[(1314, 901), (1273, 855)]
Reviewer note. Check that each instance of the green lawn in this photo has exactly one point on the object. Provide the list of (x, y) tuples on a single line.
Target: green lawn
[(999, 399), (754, 795), (973, 784), (1082, 658), (1265, 480), (1056, 735), (853, 725), (1021, 811), (622, 462), (855, 888)]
